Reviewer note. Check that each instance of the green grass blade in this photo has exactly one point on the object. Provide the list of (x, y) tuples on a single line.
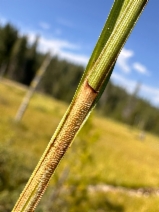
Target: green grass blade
[(115, 13), (103, 38), (110, 52)]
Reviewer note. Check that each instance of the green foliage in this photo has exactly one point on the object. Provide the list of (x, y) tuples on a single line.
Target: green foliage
[(8, 36), (15, 169), (31, 63), (18, 60)]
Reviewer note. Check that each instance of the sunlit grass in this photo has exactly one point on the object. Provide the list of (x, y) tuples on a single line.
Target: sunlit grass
[(129, 161), (118, 156)]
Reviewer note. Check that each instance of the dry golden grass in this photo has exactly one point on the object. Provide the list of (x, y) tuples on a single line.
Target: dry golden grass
[(119, 157)]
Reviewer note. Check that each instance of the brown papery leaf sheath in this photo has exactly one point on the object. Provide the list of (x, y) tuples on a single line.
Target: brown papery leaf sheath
[(56, 149)]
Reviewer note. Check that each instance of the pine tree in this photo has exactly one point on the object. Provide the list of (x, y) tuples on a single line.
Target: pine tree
[(8, 36), (18, 58)]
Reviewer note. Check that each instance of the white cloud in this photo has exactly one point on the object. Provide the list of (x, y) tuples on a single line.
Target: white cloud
[(151, 90), (44, 25), (75, 58), (156, 100), (141, 68), (126, 67), (123, 60), (59, 47), (147, 92), (152, 93), (56, 44), (126, 83)]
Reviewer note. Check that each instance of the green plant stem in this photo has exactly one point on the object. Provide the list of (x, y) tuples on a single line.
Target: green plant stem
[(91, 86), (108, 56)]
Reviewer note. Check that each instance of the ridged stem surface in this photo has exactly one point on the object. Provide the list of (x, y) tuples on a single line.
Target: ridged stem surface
[(55, 151)]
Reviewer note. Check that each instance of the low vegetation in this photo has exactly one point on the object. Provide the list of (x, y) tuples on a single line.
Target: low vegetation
[(105, 153)]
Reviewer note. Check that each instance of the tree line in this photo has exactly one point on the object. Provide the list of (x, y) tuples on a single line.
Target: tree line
[(19, 61)]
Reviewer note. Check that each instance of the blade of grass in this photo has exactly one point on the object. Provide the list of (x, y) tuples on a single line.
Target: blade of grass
[(115, 13), (93, 82), (116, 41)]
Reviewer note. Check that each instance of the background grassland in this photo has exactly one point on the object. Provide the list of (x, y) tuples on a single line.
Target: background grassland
[(105, 152)]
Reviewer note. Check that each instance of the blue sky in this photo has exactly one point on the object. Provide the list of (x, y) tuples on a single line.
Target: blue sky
[(71, 28)]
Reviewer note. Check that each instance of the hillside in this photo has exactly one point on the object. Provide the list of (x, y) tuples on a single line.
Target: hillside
[(108, 167)]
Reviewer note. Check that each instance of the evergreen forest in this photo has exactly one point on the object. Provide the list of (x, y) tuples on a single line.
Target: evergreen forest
[(19, 61)]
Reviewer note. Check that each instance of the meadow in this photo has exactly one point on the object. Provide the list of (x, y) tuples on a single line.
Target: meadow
[(107, 168)]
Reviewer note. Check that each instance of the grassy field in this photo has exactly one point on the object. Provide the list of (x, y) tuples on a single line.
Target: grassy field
[(105, 152)]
